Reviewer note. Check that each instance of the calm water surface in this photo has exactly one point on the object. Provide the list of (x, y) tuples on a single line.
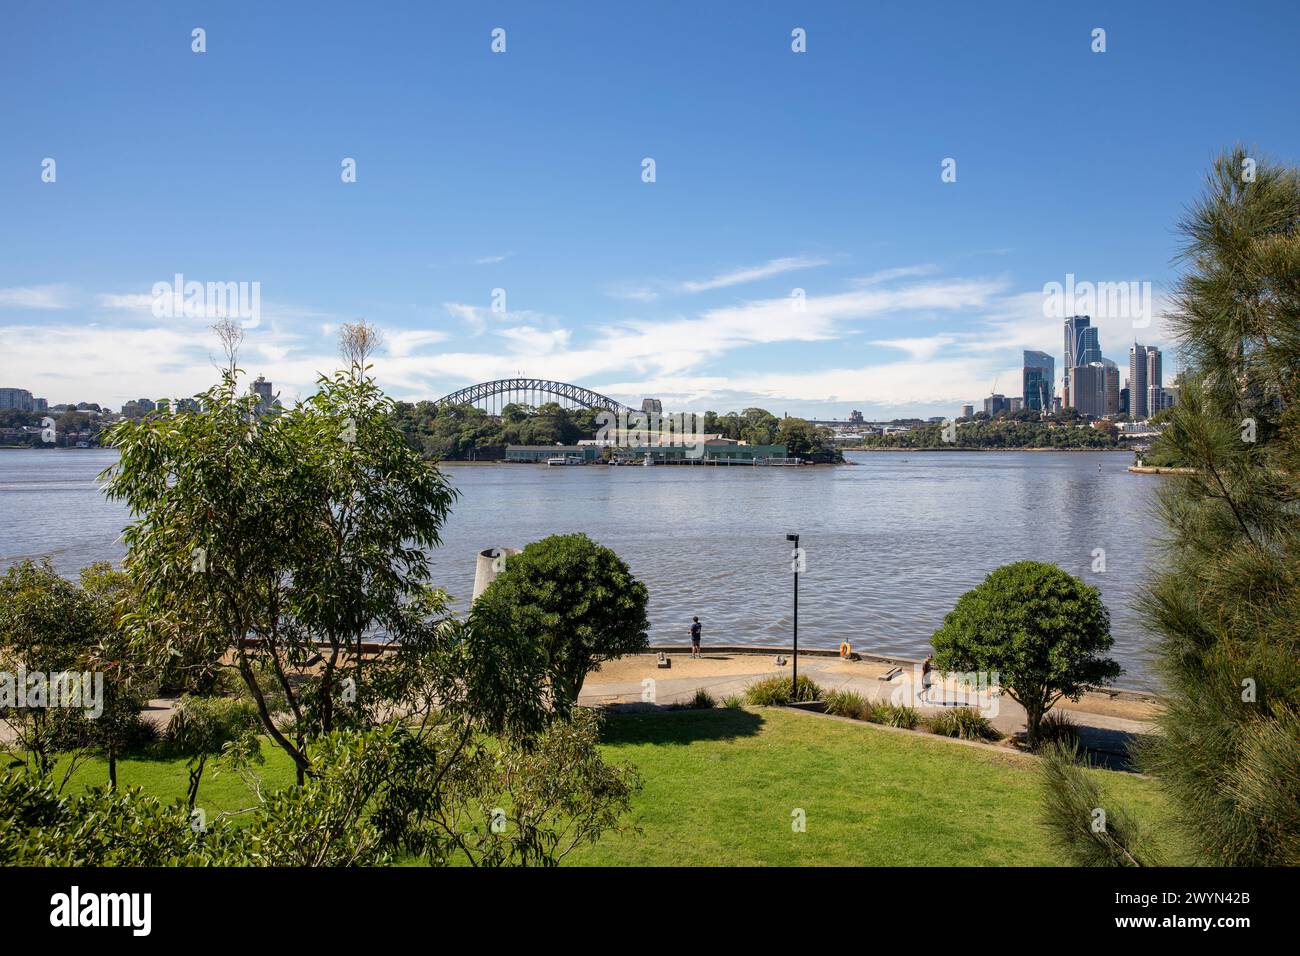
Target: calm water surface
[(891, 542)]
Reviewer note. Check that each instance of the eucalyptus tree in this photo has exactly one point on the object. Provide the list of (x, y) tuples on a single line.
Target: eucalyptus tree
[(375, 508), (270, 544), (218, 512)]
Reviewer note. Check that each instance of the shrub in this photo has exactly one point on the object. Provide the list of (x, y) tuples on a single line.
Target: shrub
[(702, 700), (1057, 727), (848, 703), (574, 603), (964, 723), (1042, 630), (891, 715), (775, 691), (733, 701)]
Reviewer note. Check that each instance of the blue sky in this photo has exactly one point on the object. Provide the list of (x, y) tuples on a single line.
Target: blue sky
[(522, 171)]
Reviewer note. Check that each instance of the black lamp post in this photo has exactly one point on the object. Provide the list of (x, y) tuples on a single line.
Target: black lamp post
[(794, 657)]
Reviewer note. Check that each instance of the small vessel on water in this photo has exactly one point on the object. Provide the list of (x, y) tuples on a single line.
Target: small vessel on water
[(647, 461)]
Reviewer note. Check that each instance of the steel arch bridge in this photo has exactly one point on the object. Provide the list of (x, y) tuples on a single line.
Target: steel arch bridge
[(525, 391)]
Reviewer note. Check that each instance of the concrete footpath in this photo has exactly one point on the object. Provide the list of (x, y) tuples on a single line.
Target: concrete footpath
[(1106, 719)]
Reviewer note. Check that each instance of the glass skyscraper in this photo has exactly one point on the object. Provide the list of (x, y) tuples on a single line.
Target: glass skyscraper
[(1038, 378), (1081, 348)]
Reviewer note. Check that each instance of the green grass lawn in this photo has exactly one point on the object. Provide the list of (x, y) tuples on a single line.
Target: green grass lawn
[(721, 787)]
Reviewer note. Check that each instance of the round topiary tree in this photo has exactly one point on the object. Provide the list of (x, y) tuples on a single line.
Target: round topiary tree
[(572, 600), (1042, 631)]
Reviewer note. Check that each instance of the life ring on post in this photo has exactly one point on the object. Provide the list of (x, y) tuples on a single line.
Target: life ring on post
[(846, 650)]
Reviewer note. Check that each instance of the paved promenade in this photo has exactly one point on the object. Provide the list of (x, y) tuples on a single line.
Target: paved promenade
[(1105, 720)]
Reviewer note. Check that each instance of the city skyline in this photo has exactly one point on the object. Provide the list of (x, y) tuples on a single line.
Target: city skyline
[(798, 249)]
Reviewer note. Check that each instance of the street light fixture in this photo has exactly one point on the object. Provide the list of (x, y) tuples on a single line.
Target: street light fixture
[(794, 657)]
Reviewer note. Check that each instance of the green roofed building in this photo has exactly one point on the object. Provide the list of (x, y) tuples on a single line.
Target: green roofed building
[(541, 453), (710, 453)]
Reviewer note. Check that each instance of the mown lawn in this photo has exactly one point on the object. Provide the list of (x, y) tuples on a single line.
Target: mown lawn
[(721, 787)]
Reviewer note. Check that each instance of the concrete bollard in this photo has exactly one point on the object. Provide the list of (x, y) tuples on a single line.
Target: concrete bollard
[(491, 562)]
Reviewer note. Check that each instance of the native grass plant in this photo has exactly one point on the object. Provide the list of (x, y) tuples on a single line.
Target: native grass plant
[(848, 703), (733, 702), (702, 700), (894, 715), (964, 723), (775, 692), (1058, 729)]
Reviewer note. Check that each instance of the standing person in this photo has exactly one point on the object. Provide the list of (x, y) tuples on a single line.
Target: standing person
[(695, 637), (927, 675)]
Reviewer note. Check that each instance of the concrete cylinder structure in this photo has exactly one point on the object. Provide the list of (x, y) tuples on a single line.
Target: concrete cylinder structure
[(491, 562)]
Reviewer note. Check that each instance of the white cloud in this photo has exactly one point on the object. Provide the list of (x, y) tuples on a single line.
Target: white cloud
[(406, 342), (920, 349), (36, 297), (526, 339), (952, 336), (768, 269), (889, 275), (472, 315)]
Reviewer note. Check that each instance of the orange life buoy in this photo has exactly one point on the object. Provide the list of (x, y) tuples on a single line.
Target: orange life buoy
[(845, 649)]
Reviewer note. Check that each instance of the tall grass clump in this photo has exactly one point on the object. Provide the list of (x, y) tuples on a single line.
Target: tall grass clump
[(775, 692), (964, 723), (702, 700), (848, 703), (1058, 729), (892, 715)]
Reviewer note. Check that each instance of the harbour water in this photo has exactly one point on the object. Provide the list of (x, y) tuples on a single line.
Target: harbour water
[(890, 542)]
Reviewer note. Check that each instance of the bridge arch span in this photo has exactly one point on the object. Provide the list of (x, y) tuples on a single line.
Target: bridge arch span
[(526, 391)]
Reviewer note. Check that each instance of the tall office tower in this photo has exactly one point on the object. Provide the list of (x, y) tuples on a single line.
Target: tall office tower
[(1088, 388), (1111, 386), (1081, 348), (1039, 373), (1089, 347), (1017, 404), (1155, 383), (1123, 401), (968, 411), (652, 406), (1074, 326), (1137, 383)]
